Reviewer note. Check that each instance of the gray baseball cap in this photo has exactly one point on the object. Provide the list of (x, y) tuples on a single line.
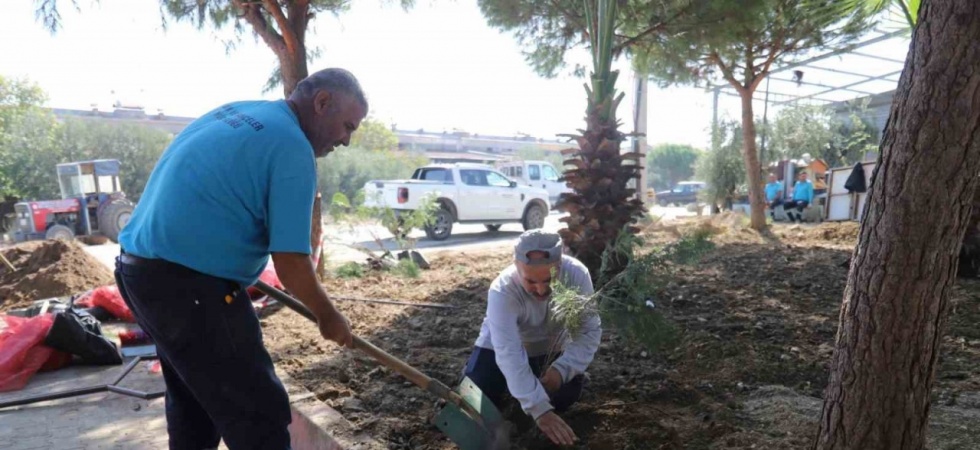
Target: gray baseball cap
[(538, 241)]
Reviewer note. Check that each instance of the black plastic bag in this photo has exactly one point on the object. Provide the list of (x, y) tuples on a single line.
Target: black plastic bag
[(79, 333)]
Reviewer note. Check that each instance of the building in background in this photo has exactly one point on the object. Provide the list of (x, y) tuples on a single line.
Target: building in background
[(439, 147)]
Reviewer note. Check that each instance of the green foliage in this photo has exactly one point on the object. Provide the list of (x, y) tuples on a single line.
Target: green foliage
[(374, 135), (348, 168), (33, 141), (138, 148), (837, 138), (400, 225), (350, 270), (908, 10), (668, 164), (722, 169), (406, 268), (281, 24), (355, 215), (627, 300), (753, 36), (546, 31)]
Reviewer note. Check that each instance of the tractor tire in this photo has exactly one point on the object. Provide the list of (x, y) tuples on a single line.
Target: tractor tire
[(59, 231), (114, 217), (493, 228), (442, 226), (534, 217)]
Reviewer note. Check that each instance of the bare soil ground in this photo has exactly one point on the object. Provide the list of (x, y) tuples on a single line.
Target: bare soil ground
[(48, 269), (757, 317)]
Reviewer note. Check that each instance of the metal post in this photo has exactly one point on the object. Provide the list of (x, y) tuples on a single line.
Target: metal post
[(640, 128)]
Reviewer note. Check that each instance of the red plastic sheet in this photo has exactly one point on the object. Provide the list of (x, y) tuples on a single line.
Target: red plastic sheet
[(108, 297), (21, 351)]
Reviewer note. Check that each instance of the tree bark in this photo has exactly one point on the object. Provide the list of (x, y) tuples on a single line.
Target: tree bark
[(896, 301), (753, 170)]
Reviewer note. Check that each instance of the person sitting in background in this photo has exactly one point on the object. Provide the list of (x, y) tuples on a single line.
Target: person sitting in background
[(802, 197), (774, 195), (515, 342)]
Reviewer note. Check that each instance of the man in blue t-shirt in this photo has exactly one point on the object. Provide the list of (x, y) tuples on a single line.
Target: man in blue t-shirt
[(774, 195), (235, 186), (802, 197)]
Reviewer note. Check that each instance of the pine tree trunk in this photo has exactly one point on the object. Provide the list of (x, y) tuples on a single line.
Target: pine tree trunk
[(753, 171), (896, 301)]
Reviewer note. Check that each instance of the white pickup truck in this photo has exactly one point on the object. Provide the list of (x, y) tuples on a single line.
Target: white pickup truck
[(467, 193)]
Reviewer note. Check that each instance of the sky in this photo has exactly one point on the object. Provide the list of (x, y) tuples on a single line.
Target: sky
[(438, 66)]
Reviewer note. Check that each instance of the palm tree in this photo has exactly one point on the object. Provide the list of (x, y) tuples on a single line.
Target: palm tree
[(602, 204), (908, 8)]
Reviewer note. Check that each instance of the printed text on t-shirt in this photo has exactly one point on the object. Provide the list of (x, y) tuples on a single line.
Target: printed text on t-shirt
[(229, 115)]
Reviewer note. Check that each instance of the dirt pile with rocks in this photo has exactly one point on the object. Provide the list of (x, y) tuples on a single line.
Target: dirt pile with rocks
[(46, 269)]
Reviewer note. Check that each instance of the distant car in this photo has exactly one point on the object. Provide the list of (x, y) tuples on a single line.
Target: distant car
[(466, 193), (536, 174), (684, 193)]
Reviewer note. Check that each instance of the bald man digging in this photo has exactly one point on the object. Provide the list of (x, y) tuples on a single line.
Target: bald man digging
[(511, 353), (234, 187)]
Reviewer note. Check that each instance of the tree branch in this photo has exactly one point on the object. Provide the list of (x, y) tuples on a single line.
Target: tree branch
[(253, 16), (658, 27), (298, 14), (726, 71), (285, 28)]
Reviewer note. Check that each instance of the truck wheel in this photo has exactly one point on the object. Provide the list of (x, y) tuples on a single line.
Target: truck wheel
[(59, 231), (442, 226), (114, 217), (533, 217), (493, 228)]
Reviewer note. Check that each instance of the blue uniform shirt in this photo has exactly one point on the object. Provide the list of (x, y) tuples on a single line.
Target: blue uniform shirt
[(772, 189), (235, 185), (803, 191)]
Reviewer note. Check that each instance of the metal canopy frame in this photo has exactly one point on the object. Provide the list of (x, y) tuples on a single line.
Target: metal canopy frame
[(860, 84)]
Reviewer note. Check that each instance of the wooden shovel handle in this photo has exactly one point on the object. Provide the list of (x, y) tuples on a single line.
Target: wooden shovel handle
[(420, 379)]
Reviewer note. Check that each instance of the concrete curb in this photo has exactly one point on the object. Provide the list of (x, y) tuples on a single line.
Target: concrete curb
[(316, 426)]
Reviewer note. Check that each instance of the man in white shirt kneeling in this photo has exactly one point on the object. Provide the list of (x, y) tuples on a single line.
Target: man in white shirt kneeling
[(511, 353)]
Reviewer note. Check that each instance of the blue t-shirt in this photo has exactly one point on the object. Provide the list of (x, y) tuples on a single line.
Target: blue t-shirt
[(803, 191), (772, 189), (235, 185)]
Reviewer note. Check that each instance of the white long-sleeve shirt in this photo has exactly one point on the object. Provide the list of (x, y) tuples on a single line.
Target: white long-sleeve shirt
[(518, 326)]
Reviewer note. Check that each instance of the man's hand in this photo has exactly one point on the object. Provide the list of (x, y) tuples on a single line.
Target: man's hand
[(335, 327), (296, 272), (556, 429), (551, 380)]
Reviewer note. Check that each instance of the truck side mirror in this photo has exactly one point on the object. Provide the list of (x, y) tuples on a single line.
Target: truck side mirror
[(513, 184)]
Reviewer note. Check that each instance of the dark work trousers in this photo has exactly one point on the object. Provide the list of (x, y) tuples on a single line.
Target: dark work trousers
[(220, 379), (772, 206), (800, 205), (482, 369)]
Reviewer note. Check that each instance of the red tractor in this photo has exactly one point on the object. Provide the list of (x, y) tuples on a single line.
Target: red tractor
[(92, 203)]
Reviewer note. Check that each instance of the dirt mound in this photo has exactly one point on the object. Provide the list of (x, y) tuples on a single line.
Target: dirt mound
[(833, 233), (48, 269), (727, 227)]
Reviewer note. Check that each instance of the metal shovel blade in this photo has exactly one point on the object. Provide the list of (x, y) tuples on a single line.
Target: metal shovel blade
[(469, 434)]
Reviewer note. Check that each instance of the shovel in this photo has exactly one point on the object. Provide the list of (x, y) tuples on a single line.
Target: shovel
[(469, 418)]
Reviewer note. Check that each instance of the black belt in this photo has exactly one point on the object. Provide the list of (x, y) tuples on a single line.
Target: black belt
[(161, 264), (133, 260)]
